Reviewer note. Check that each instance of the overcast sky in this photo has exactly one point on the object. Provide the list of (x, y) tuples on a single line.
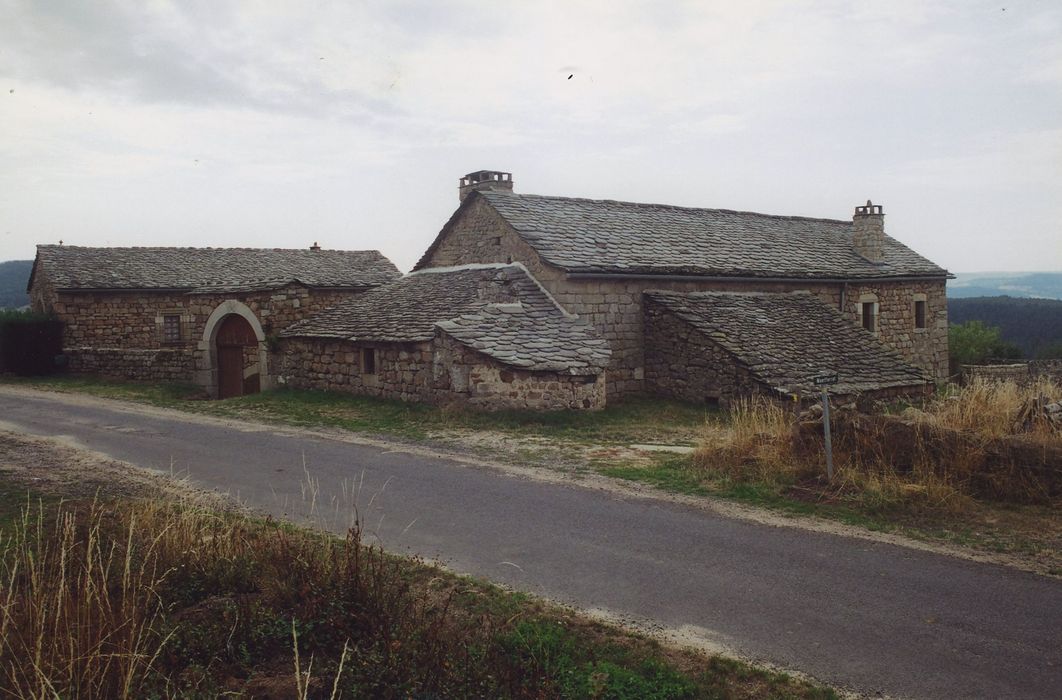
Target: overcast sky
[(279, 124)]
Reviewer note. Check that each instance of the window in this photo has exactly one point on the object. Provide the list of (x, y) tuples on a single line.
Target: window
[(171, 328), (368, 361), (920, 313), (870, 317)]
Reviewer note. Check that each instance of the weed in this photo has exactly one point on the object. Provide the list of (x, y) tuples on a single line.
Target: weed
[(165, 599)]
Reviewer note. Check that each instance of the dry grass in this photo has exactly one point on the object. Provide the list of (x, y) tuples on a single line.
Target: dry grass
[(981, 441), (135, 599), (994, 409)]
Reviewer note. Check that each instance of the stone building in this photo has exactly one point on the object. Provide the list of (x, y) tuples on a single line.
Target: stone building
[(484, 335), (600, 259), (203, 315)]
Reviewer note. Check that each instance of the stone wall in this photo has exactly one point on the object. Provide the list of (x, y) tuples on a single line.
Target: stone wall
[(441, 372), (681, 363), (463, 375), (159, 365), (1009, 370), (923, 347), (102, 328), (402, 371)]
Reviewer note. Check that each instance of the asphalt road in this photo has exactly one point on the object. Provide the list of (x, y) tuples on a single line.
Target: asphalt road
[(872, 617)]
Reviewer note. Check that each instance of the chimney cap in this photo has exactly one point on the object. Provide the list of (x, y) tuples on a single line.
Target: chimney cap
[(870, 209), (486, 176), (315, 246)]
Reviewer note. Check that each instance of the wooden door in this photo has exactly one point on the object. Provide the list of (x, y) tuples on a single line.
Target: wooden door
[(230, 371), (234, 334)]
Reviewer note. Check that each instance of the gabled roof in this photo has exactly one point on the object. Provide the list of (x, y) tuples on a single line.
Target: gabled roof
[(786, 340), (209, 269), (498, 310), (610, 237)]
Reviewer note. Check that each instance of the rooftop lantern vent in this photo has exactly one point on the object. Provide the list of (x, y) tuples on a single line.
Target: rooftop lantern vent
[(485, 180), (868, 232)]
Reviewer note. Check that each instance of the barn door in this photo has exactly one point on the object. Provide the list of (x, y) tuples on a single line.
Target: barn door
[(234, 336)]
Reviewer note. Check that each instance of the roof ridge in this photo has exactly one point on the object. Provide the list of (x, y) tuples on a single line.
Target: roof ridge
[(203, 248), (654, 205), (460, 268), (722, 293)]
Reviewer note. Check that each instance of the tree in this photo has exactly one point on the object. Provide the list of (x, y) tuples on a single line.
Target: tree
[(973, 343)]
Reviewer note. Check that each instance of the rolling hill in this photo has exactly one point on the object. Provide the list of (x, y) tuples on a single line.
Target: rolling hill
[(14, 275), (1031, 324)]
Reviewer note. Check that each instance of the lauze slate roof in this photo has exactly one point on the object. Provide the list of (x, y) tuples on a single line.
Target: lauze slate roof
[(209, 269), (786, 340), (604, 236), (498, 310)]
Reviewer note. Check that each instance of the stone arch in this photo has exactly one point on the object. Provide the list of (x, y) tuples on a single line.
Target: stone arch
[(207, 360)]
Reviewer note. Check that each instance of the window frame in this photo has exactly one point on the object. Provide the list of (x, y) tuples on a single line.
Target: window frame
[(869, 301), (920, 302), (182, 323), (369, 364)]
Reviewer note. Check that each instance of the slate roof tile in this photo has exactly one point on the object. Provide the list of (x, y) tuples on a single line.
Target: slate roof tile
[(207, 270), (786, 340), (605, 236), (498, 310)]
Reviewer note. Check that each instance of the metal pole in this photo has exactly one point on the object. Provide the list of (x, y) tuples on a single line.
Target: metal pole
[(826, 431)]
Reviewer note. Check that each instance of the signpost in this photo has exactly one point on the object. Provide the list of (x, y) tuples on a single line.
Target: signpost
[(825, 380)]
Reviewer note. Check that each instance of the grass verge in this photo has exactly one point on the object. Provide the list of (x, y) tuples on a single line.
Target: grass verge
[(634, 421)]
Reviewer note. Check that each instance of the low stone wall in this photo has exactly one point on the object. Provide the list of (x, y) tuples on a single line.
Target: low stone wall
[(1052, 369), (439, 372), (159, 365), (1020, 372)]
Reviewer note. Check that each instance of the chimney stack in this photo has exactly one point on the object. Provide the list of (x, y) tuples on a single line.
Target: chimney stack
[(315, 246), (484, 180), (868, 232)]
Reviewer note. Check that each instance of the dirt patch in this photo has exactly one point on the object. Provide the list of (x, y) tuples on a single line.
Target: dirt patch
[(53, 466)]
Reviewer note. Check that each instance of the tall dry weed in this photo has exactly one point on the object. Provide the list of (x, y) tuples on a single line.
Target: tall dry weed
[(993, 409), (754, 442), (959, 445), (81, 613)]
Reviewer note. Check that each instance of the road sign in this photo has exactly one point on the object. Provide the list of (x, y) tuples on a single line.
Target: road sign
[(825, 379)]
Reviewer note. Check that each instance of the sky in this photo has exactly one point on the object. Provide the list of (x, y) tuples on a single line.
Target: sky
[(273, 124)]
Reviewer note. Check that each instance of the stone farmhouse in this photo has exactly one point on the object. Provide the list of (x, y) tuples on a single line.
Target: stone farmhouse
[(606, 261), (524, 301), (203, 315)]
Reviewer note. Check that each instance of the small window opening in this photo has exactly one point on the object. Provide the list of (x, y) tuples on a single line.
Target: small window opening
[(496, 240), (870, 320), (171, 328), (920, 314), (368, 361)]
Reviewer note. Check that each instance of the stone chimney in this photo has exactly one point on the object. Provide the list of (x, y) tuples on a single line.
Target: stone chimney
[(868, 232), (315, 246), (484, 180)]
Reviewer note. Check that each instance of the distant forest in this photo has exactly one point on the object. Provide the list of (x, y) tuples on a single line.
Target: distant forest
[(1034, 325), (14, 276)]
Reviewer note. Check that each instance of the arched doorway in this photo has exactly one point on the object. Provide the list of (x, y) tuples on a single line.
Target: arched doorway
[(237, 357)]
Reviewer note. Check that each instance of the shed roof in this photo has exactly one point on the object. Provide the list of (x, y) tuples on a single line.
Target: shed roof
[(611, 237), (786, 340), (209, 269), (498, 310)]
